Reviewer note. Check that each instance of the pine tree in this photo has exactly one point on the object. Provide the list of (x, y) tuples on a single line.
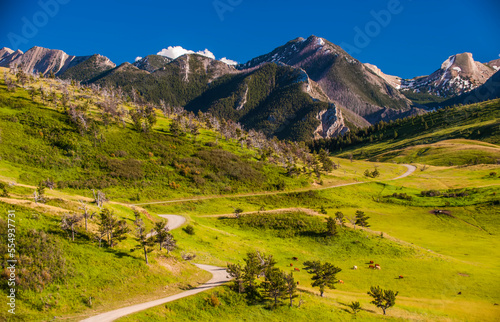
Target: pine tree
[(383, 299), (362, 219), (324, 274)]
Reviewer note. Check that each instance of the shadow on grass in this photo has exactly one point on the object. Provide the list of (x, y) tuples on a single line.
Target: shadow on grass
[(346, 308)]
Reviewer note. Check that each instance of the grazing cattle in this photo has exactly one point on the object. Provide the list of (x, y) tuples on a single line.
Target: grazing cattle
[(295, 258), (296, 269), (341, 282), (371, 266), (298, 283), (354, 267), (371, 262), (377, 267), (459, 293), (400, 276), (291, 264)]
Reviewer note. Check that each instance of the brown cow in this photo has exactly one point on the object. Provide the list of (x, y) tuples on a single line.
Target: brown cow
[(295, 258), (296, 269), (341, 282), (371, 266), (400, 276), (298, 283), (371, 262), (291, 264)]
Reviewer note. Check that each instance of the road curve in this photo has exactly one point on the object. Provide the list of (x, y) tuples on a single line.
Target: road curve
[(219, 277), (411, 169), (408, 172), (174, 221)]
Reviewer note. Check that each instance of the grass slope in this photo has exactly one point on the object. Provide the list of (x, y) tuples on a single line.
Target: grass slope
[(415, 138)]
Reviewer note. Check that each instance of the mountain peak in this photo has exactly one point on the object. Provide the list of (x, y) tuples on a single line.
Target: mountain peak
[(458, 74)]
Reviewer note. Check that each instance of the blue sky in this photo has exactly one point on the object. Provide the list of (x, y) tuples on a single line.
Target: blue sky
[(409, 38)]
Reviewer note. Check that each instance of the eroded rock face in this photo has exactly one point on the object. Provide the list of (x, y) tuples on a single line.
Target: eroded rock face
[(332, 123)]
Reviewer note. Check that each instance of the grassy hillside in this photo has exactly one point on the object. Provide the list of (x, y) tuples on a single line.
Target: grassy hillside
[(414, 139), (439, 255), (81, 146)]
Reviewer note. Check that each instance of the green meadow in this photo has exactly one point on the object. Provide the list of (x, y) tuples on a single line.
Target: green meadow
[(438, 228)]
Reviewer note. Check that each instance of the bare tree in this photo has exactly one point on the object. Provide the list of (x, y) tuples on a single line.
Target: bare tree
[(87, 214), (68, 222), (99, 198), (169, 243), (145, 243)]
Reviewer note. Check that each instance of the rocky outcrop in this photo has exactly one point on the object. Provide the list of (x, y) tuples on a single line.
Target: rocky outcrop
[(332, 123)]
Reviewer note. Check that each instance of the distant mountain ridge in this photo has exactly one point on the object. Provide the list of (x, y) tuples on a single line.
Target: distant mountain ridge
[(457, 75), (46, 61), (307, 88)]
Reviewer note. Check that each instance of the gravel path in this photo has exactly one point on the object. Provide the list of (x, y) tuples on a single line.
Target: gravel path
[(219, 277)]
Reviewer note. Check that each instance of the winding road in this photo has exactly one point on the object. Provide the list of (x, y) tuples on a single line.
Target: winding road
[(409, 171), (219, 277), (219, 274)]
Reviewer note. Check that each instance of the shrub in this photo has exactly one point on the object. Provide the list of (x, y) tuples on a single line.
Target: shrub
[(4, 190), (213, 300), (189, 230), (430, 193)]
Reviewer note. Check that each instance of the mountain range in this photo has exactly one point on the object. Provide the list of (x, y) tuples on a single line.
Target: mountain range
[(307, 88)]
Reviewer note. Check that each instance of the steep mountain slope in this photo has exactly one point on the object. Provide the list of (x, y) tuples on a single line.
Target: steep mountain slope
[(346, 81), (488, 91), (495, 64), (457, 75), (395, 81), (88, 69), (275, 99), (46, 61), (151, 63), (4, 52), (177, 83), (9, 56)]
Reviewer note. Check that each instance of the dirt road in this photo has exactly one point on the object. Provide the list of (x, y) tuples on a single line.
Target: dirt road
[(219, 277)]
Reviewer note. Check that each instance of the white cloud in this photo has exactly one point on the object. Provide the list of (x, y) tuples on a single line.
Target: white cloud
[(177, 51), (174, 52), (138, 58), (206, 53), (229, 61)]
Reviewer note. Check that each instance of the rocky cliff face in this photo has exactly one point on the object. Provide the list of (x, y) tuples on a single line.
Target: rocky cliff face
[(9, 56), (46, 61), (332, 123), (4, 52), (495, 64)]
